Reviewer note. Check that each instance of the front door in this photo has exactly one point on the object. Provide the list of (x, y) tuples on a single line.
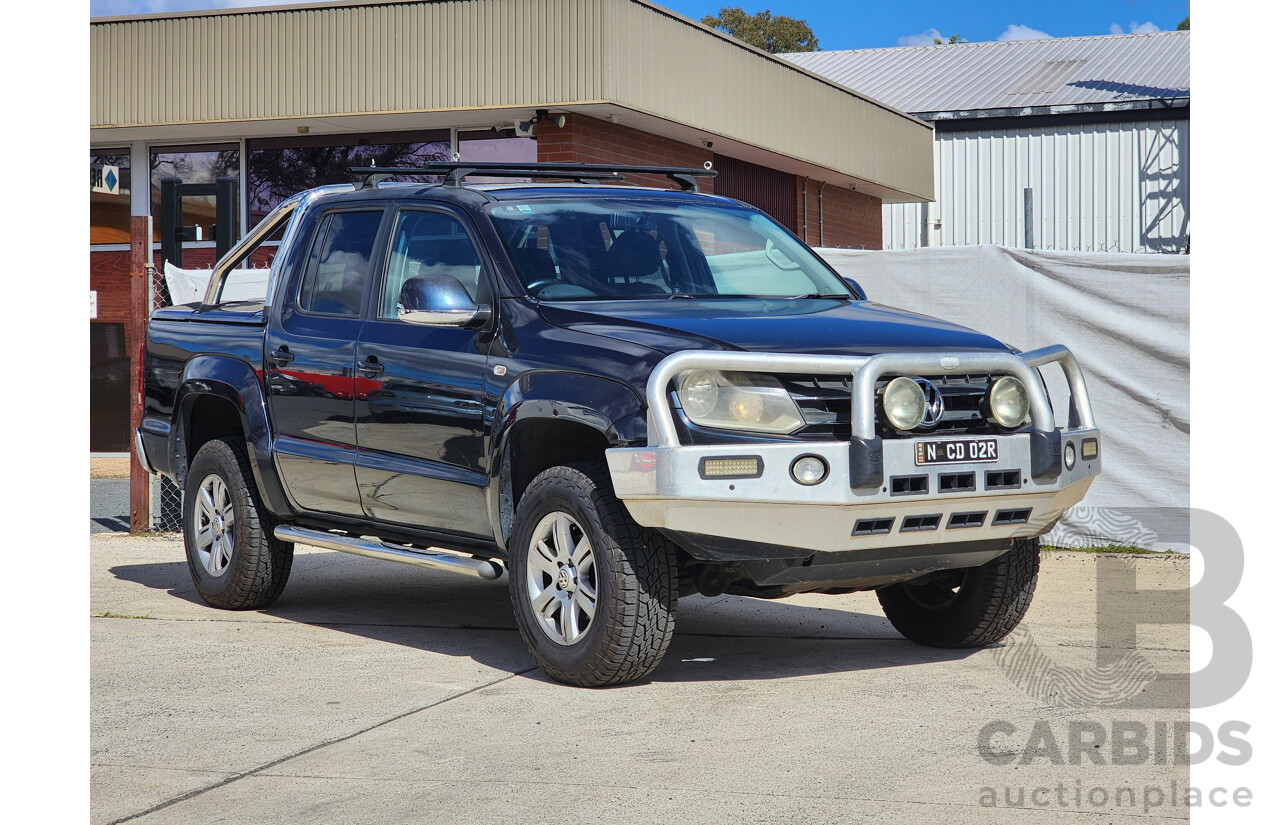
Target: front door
[(420, 402), (310, 364)]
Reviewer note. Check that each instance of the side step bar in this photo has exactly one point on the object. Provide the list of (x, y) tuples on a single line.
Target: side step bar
[(432, 560)]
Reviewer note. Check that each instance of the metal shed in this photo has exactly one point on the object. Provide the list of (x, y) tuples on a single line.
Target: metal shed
[(1089, 137)]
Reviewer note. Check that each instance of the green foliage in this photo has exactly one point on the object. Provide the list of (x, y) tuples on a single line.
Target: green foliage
[(950, 41), (1185, 25), (764, 31)]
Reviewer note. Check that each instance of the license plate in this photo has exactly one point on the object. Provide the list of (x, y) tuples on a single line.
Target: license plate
[(956, 451)]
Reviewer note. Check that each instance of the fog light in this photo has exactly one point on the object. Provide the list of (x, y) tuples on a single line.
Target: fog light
[(903, 403), (1069, 455), (1089, 449), (1008, 402), (809, 470), (738, 466)]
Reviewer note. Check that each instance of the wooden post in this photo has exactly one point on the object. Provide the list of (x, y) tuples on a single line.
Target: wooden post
[(139, 310)]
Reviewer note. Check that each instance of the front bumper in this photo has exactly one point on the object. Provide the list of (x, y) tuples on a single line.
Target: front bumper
[(874, 495)]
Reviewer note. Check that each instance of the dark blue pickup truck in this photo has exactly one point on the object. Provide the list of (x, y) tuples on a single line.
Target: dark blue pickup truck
[(621, 395)]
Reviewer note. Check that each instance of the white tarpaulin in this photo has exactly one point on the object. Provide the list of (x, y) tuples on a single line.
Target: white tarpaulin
[(188, 285), (1127, 319)]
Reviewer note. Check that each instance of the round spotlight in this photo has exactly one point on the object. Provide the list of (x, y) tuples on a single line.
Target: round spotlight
[(903, 403), (1069, 455), (699, 392), (809, 470), (1008, 402)]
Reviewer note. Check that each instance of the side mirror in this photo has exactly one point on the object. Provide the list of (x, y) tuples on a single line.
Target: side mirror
[(856, 287), (438, 301)]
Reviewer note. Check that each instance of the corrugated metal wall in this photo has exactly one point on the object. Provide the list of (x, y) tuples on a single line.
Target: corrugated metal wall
[(1116, 187), (480, 54), (345, 60)]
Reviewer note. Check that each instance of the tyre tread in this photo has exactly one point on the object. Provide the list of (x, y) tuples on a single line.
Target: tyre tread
[(261, 568), (645, 580)]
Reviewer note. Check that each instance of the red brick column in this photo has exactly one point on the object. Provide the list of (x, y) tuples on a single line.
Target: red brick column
[(139, 298)]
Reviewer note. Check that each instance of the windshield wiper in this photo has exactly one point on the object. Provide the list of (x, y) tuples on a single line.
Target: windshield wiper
[(812, 295)]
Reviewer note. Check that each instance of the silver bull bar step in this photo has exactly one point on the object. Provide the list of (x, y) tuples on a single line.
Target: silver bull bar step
[(430, 559), (866, 369)]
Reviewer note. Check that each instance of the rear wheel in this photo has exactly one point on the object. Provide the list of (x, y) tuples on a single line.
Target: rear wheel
[(236, 562), (969, 607), (593, 592)]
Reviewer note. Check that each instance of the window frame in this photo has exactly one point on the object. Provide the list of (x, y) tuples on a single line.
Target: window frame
[(485, 277), (313, 237), (123, 246)]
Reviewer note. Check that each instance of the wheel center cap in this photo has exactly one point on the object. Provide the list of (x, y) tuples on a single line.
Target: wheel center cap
[(567, 580), (219, 524)]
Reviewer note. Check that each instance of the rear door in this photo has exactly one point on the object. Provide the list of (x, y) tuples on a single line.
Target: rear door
[(421, 408), (310, 362)]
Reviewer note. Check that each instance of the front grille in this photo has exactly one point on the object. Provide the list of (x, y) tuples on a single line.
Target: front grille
[(824, 401)]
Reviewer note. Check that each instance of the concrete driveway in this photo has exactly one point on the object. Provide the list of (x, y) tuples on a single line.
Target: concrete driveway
[(373, 692)]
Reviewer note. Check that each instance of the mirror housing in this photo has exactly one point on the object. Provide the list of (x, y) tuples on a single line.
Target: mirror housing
[(438, 301), (856, 287)]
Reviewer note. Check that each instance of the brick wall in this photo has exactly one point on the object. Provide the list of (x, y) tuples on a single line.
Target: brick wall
[(849, 219), (588, 140)]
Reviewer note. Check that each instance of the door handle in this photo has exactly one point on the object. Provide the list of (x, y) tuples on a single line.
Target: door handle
[(371, 366), (282, 357)]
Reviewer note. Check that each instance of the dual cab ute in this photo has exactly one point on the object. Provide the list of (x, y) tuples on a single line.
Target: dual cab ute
[(621, 396)]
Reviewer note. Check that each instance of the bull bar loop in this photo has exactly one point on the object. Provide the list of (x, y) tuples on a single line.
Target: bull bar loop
[(865, 369)]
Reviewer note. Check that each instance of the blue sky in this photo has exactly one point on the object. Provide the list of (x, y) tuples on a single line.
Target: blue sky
[(864, 24)]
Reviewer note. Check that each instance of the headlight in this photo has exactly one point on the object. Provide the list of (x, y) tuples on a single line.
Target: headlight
[(738, 401), (903, 403), (699, 393), (1008, 402)]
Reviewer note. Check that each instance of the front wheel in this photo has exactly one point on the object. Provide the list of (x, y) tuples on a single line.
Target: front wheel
[(968, 607), (594, 593)]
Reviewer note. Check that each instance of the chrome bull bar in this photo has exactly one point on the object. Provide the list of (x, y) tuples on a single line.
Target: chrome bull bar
[(865, 370)]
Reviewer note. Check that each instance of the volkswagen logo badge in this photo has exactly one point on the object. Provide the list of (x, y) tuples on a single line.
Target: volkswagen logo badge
[(933, 404)]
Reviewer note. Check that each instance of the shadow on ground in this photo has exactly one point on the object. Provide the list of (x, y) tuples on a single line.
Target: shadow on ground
[(720, 638)]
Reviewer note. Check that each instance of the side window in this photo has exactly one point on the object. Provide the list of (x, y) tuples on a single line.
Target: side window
[(430, 243), (339, 265)]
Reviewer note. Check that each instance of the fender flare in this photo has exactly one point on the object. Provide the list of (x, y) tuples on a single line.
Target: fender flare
[(237, 382), (613, 408)]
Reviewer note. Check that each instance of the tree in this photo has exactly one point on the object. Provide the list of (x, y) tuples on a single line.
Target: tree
[(1185, 25), (950, 41), (764, 31)]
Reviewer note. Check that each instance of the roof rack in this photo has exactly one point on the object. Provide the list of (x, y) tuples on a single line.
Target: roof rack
[(455, 171)]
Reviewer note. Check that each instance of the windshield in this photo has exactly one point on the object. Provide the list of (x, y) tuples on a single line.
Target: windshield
[(613, 249)]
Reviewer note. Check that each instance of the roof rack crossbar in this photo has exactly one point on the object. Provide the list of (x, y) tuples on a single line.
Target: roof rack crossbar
[(455, 171)]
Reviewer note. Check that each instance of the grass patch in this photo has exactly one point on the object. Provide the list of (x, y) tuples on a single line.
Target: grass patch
[(1126, 549), (110, 615)]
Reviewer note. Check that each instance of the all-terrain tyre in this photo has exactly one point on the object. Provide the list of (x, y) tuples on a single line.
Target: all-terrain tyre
[(594, 593), (235, 559), (969, 607)]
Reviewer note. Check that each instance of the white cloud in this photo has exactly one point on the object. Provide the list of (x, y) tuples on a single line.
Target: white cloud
[(1017, 31), (924, 38), (1135, 28)]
